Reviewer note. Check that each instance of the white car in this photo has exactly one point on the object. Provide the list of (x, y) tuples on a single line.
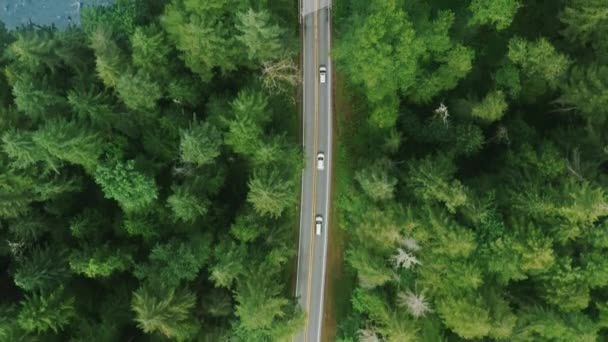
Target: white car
[(320, 161), (318, 224), (322, 74)]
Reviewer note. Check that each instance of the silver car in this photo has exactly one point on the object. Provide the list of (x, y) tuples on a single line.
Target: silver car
[(322, 74), (320, 161), (318, 224)]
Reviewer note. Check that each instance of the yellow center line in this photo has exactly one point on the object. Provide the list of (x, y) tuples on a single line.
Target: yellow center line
[(314, 174)]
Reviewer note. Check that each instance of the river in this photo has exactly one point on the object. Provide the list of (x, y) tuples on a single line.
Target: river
[(60, 13)]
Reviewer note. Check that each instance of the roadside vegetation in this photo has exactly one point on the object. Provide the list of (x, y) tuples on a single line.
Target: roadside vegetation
[(149, 171), (477, 207)]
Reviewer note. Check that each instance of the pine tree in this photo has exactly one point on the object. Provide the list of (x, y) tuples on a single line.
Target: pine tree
[(245, 129), (587, 91), (36, 98), (371, 268), (70, 142), (376, 181), (110, 61), (497, 13), (20, 147), (44, 311), (492, 107), (138, 91), (42, 269), (585, 20), (228, 265), (465, 315), (200, 144), (259, 301), (151, 52), (457, 63), (35, 49), (432, 179), (537, 323), (399, 328), (270, 192), (186, 205), (260, 38), (566, 287), (159, 309), (175, 261), (93, 105), (538, 59), (133, 190), (204, 35), (100, 261)]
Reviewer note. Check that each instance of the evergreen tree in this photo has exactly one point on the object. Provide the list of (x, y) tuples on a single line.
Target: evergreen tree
[(133, 190), (138, 91), (260, 37), (270, 193), (585, 21), (497, 13), (35, 49), (431, 179), (491, 108), (70, 142), (187, 206), (466, 315), (228, 264), (164, 310), (42, 269), (92, 105), (587, 91), (174, 261), (538, 59), (258, 301), (99, 261), (545, 324), (376, 181), (204, 34), (44, 311), (109, 59), (200, 144), (151, 52)]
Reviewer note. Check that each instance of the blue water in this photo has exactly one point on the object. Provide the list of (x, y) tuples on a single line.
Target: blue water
[(60, 13)]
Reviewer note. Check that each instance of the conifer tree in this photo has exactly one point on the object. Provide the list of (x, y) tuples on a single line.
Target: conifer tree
[(200, 144), (497, 13), (133, 190), (164, 310), (260, 37), (270, 192), (42, 269), (46, 311)]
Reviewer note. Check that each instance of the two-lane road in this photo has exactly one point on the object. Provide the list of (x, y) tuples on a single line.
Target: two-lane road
[(317, 135)]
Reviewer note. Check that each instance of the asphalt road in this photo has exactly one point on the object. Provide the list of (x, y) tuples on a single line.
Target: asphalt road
[(312, 250)]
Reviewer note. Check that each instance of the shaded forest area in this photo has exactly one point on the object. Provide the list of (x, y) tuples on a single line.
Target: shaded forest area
[(149, 171), (476, 206)]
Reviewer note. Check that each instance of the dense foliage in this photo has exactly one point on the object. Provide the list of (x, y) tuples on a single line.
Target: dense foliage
[(477, 202), (148, 174)]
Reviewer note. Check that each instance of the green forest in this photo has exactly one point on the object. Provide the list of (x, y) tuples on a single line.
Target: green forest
[(149, 174), (475, 169), (150, 166)]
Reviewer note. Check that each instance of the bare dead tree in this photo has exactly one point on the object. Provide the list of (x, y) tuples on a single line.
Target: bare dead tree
[(404, 259), (368, 335), (280, 76), (410, 244), (415, 303), (442, 113)]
